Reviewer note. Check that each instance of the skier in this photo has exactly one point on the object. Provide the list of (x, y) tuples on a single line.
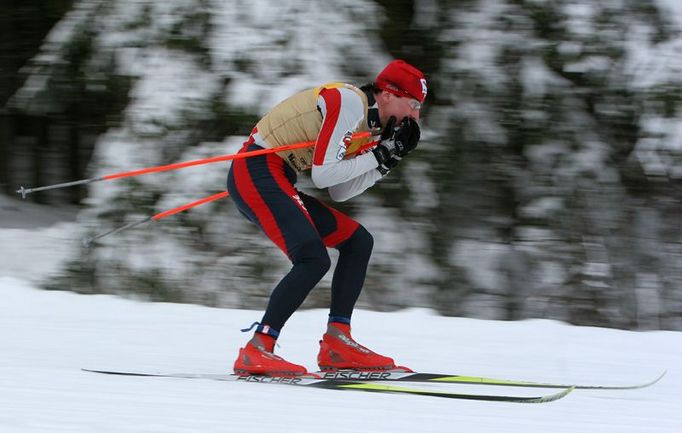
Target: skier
[(262, 188)]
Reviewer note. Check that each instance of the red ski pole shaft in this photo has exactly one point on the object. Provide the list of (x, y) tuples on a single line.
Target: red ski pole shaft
[(88, 241), (184, 207), (25, 191), (221, 158)]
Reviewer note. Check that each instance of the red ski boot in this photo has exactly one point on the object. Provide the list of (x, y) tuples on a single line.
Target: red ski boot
[(257, 358), (338, 351)]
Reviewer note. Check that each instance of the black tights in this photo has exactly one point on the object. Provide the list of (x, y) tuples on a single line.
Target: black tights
[(311, 262)]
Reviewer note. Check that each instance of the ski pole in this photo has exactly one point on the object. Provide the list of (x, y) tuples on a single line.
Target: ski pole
[(25, 191), (87, 242)]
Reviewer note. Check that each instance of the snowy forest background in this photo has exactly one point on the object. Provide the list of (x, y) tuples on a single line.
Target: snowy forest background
[(548, 182)]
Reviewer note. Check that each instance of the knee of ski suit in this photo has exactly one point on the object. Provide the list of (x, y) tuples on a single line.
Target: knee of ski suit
[(360, 244), (314, 256)]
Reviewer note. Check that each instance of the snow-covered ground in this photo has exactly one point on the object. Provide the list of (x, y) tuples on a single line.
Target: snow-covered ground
[(47, 337), (34, 239)]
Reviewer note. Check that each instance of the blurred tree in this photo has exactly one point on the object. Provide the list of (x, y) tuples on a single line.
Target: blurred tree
[(23, 26), (50, 139), (546, 185)]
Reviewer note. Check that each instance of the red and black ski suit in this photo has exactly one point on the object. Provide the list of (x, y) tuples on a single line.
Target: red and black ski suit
[(303, 227)]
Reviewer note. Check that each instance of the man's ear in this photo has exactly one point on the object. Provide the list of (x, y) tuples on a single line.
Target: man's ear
[(383, 96)]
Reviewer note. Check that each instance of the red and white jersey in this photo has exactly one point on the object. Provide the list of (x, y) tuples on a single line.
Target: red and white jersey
[(329, 115), (343, 112)]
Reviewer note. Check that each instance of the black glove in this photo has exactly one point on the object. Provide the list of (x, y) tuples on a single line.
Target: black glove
[(406, 136), (396, 143), (386, 148), (391, 163)]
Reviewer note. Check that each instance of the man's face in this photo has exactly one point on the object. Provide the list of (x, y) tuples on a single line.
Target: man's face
[(398, 106)]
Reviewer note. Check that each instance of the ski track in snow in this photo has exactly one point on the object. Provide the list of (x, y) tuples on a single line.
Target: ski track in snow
[(47, 337)]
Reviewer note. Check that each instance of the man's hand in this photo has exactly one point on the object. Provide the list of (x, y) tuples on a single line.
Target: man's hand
[(396, 143), (386, 147), (406, 137)]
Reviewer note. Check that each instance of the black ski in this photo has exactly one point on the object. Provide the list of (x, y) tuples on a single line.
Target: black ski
[(355, 385)]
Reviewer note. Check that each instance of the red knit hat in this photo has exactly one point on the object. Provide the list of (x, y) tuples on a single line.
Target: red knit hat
[(402, 79)]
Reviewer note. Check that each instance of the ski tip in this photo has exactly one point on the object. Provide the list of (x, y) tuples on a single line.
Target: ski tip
[(626, 387), (541, 399), (657, 379), (557, 396)]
